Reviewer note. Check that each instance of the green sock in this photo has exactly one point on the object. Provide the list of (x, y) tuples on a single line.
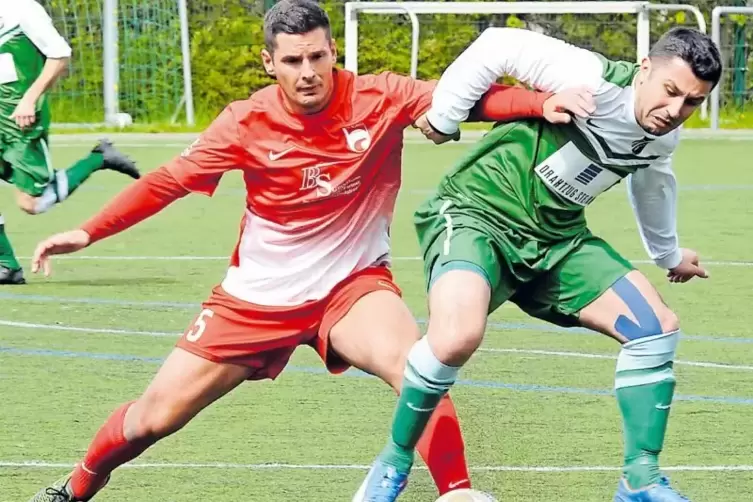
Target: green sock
[(80, 171), (67, 181), (7, 257), (645, 411), (414, 409)]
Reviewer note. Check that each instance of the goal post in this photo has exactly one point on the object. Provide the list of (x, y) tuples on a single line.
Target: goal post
[(641, 26), (130, 61), (738, 70)]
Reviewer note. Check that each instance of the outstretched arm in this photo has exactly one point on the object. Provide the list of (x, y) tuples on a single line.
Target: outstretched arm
[(142, 199), (498, 103), (505, 102), (545, 63), (198, 169)]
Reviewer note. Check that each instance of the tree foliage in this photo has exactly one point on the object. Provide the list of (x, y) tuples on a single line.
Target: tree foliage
[(227, 37)]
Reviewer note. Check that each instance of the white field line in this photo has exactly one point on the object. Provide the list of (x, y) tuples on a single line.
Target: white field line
[(588, 355), (536, 352), (61, 327), (34, 464), (720, 263)]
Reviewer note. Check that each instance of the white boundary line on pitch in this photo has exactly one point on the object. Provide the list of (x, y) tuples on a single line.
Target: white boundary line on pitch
[(535, 352), (32, 464), (588, 355), (108, 331), (718, 263)]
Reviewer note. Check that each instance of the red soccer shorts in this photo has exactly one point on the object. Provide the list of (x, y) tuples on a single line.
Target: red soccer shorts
[(229, 330)]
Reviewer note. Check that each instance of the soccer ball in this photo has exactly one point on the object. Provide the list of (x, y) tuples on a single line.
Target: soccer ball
[(466, 495)]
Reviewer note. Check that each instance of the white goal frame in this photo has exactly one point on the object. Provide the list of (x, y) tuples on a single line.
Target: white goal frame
[(111, 66), (412, 9), (716, 35)]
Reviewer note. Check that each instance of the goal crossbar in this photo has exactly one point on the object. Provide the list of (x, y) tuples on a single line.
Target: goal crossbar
[(412, 9)]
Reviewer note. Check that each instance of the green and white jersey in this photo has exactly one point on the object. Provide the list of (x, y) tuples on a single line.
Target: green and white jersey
[(27, 40), (540, 177)]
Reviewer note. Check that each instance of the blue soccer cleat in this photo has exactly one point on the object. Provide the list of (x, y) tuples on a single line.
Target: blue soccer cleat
[(383, 483), (659, 492)]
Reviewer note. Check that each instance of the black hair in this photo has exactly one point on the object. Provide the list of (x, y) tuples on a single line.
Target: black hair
[(695, 48), (294, 17)]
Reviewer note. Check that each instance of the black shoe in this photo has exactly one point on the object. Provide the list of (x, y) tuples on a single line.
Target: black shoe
[(115, 160), (11, 275)]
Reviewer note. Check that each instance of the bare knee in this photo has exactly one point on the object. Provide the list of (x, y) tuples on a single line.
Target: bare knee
[(667, 319), (26, 203), (454, 338), (153, 417)]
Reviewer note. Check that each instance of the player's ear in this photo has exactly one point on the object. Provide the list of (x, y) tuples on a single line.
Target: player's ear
[(333, 48), (646, 64), (266, 60), (644, 70)]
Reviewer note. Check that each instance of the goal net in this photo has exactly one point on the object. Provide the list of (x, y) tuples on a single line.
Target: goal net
[(734, 95), (142, 50)]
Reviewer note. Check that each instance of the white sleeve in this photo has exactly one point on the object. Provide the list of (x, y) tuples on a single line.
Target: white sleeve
[(653, 194), (37, 25), (546, 63)]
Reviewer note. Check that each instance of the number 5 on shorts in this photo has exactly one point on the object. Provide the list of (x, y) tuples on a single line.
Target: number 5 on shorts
[(200, 325)]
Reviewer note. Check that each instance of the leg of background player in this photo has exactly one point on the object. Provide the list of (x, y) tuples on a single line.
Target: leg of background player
[(375, 336), (10, 269), (183, 386), (32, 163)]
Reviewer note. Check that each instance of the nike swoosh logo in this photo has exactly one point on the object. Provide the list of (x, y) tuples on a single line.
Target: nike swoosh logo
[(455, 484), (663, 406), (277, 156), (387, 285), (589, 122), (416, 408)]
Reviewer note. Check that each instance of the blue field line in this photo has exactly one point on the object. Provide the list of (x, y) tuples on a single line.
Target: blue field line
[(479, 384), (541, 328)]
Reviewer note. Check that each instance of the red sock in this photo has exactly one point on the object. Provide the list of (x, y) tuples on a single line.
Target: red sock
[(443, 449), (109, 450)]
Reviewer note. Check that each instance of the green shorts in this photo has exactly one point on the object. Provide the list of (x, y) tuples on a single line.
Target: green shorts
[(24, 155), (26, 164), (552, 281)]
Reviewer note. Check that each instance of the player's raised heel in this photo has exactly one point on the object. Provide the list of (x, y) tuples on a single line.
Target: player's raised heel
[(383, 483), (116, 160), (11, 276), (660, 492)]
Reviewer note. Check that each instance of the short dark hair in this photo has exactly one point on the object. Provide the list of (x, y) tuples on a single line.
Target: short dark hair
[(695, 48), (294, 17)]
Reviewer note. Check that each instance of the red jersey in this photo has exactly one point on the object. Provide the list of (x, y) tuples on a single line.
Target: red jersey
[(321, 188)]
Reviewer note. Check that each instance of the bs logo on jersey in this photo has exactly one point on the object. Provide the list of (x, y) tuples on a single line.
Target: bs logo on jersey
[(314, 178)]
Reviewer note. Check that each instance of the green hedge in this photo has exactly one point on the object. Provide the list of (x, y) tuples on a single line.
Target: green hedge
[(226, 38)]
